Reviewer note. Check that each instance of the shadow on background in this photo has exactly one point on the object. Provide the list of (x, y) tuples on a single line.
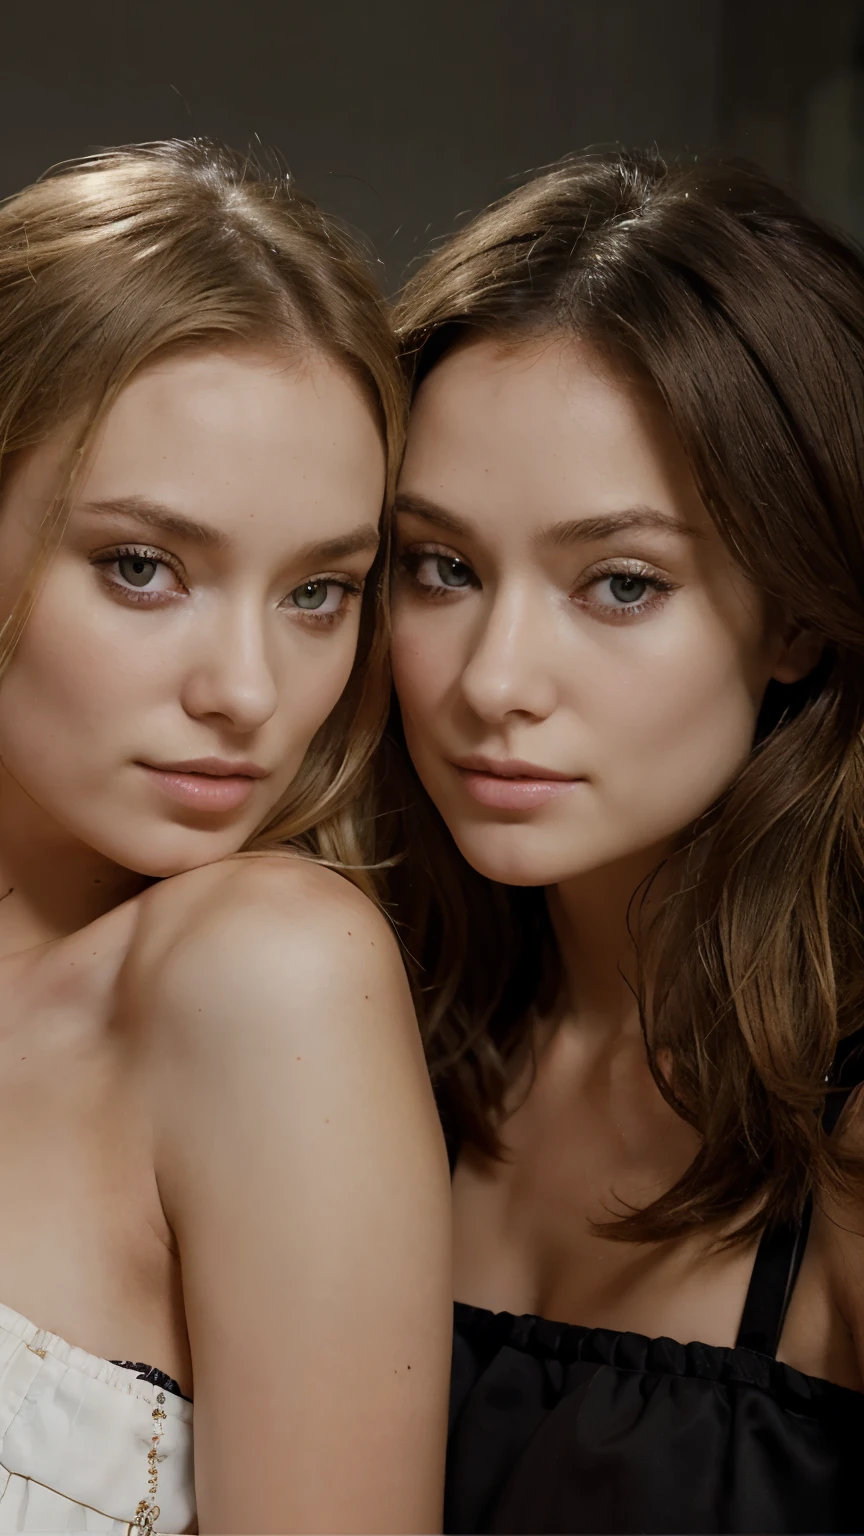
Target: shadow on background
[(402, 115)]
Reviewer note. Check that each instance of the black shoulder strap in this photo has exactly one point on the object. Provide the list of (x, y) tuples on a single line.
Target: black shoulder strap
[(779, 1255), (775, 1270)]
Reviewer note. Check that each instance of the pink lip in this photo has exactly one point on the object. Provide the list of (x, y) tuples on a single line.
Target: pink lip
[(511, 784), (208, 783)]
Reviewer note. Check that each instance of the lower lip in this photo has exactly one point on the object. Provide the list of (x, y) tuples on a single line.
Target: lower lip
[(514, 794), (203, 791)]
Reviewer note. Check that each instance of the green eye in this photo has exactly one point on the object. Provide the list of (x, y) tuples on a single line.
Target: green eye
[(312, 594), (136, 570)]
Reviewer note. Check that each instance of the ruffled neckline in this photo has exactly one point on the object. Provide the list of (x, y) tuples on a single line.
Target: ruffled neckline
[(488, 1332)]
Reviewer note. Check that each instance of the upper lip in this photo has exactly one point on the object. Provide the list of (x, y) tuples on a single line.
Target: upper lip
[(213, 767), (510, 768)]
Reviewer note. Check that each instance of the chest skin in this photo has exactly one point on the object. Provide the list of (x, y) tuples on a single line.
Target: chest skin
[(87, 1253), (589, 1135)]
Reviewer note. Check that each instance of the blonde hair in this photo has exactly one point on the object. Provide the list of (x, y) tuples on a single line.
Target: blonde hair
[(106, 262)]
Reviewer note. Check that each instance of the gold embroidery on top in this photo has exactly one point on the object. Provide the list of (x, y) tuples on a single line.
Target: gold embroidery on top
[(147, 1511)]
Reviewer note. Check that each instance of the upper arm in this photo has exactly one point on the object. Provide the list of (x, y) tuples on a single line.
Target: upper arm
[(301, 1168)]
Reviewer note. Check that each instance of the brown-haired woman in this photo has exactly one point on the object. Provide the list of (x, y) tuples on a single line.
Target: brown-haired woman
[(629, 653), (219, 1147)]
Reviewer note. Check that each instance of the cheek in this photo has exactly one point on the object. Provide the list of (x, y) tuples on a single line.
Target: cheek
[(425, 666), (59, 672), (60, 704), (311, 675), (78, 687), (675, 733)]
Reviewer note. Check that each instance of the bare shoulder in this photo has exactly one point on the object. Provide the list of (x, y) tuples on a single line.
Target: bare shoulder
[(249, 905), (300, 1164), (271, 935), (220, 897)]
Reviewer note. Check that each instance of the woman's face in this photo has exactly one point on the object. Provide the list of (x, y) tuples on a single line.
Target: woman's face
[(579, 663), (200, 618)]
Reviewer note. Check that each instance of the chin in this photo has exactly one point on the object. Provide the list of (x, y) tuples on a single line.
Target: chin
[(519, 853), (163, 869), (522, 855), (169, 850), (538, 856)]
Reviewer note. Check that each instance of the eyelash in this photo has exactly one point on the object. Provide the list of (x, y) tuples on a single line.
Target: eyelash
[(136, 552), (327, 620), (144, 598), (659, 586), (411, 559)]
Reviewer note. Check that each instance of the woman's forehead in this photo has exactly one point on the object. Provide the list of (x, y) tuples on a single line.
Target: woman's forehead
[(549, 430)]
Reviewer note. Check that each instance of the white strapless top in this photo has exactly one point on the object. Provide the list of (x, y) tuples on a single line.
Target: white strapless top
[(75, 1438)]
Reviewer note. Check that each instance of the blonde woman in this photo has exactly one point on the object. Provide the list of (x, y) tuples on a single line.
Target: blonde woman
[(221, 1163)]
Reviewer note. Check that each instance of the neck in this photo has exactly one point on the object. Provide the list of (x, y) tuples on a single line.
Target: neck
[(51, 884), (592, 915)]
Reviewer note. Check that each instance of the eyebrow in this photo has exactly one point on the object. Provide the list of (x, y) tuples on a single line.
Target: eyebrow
[(358, 542), (583, 530), (154, 514), (586, 530)]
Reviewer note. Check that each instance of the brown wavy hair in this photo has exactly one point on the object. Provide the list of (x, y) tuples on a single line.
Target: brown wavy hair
[(106, 263), (748, 318)]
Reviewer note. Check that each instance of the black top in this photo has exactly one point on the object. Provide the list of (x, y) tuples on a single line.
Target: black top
[(567, 1429)]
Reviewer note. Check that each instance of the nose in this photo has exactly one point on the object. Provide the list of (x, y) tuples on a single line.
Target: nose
[(511, 667), (231, 678)]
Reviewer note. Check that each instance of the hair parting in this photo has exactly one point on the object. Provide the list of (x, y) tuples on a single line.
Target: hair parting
[(108, 262), (747, 318)]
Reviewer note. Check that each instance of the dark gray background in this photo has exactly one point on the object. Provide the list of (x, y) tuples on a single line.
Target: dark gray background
[(403, 115)]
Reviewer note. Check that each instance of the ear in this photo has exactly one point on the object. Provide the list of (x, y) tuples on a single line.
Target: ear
[(799, 652)]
